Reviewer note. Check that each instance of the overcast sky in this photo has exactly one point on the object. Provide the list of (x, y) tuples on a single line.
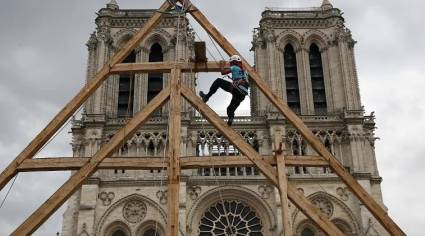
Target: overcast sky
[(43, 65)]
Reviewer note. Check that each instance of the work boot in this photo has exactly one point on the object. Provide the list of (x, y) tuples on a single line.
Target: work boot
[(203, 96), (230, 121)]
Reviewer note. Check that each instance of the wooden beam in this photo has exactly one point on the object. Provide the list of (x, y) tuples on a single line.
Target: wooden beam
[(166, 67), (303, 203), (279, 146), (174, 154), (238, 161), (78, 100), (77, 179), (380, 214), (148, 67), (148, 163)]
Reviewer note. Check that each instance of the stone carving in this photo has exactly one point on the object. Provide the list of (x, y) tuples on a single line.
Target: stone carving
[(134, 211), (162, 196), (301, 190), (265, 191), (343, 193), (84, 230), (106, 198), (324, 205), (194, 192)]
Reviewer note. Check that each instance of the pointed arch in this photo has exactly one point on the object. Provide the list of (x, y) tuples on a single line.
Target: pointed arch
[(230, 193), (345, 214), (315, 37), (121, 37), (153, 210), (117, 228), (150, 228), (289, 37)]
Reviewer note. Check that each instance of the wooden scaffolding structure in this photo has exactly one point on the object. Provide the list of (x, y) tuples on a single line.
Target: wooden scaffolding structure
[(272, 167)]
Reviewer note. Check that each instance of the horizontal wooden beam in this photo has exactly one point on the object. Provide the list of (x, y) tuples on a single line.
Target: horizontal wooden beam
[(147, 163), (165, 67)]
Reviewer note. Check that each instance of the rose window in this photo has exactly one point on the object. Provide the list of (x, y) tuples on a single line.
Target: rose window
[(230, 218), (134, 211), (324, 205)]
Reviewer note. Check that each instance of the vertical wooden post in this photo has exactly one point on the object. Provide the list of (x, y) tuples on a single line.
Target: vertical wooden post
[(279, 147), (174, 153)]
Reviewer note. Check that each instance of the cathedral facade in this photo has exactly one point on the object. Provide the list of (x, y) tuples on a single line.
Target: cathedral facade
[(307, 58)]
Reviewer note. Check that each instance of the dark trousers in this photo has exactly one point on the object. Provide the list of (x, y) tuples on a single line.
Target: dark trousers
[(237, 96)]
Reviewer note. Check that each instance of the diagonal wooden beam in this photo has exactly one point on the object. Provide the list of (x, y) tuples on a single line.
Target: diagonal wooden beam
[(76, 180), (174, 154), (78, 100), (299, 200), (336, 166)]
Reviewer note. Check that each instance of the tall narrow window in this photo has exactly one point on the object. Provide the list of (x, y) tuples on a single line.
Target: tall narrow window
[(126, 90), (291, 79), (155, 81), (317, 80)]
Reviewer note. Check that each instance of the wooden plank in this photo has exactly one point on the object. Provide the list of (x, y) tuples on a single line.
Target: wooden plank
[(148, 163), (302, 203), (283, 184), (166, 67), (78, 100), (336, 166), (76, 180), (238, 161), (148, 67), (174, 154)]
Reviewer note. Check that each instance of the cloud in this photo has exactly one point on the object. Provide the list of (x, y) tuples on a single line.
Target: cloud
[(43, 66)]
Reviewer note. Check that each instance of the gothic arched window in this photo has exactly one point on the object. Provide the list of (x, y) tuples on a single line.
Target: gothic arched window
[(155, 81), (151, 232), (119, 233), (317, 80), (291, 79), (126, 90), (308, 232), (230, 217)]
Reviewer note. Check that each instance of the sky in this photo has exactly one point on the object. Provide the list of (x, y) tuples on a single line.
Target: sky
[(43, 64)]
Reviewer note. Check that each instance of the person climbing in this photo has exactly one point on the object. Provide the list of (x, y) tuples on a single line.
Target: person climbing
[(238, 87)]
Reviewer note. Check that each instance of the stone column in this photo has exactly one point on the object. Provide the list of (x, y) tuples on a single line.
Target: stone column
[(182, 208), (103, 58), (138, 91), (306, 92), (91, 68), (349, 73), (86, 214), (328, 80), (271, 67), (257, 97)]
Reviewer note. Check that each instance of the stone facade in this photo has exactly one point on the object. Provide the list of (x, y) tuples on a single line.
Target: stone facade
[(129, 202)]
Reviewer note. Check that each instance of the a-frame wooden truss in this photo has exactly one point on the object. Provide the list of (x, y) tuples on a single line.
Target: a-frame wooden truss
[(102, 159)]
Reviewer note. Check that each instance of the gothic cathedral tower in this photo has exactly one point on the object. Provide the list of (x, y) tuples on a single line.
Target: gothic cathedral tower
[(307, 57)]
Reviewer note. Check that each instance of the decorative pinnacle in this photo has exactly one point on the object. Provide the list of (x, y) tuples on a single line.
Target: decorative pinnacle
[(326, 5), (113, 5)]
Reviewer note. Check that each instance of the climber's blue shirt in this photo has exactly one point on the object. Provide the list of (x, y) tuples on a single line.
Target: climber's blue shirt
[(237, 74)]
